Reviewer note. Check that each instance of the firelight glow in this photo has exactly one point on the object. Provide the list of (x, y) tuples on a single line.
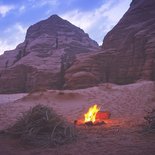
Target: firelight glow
[(90, 116)]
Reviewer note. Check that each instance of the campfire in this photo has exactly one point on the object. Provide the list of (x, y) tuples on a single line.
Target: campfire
[(94, 117)]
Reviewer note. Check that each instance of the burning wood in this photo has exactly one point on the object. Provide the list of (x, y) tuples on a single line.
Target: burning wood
[(102, 115), (94, 117)]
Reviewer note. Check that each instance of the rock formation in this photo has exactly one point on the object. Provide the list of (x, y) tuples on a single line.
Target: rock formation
[(57, 54), (49, 49), (134, 38), (128, 51)]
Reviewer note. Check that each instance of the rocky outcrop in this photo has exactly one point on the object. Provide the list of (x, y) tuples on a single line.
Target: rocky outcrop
[(23, 78), (57, 54), (128, 51), (134, 38), (90, 70), (49, 49)]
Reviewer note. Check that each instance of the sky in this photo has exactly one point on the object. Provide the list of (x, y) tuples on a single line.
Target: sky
[(95, 17)]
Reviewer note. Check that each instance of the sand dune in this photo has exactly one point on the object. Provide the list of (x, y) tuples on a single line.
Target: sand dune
[(128, 105)]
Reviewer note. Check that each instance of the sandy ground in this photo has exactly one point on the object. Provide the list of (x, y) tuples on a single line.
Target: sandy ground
[(8, 98), (122, 135)]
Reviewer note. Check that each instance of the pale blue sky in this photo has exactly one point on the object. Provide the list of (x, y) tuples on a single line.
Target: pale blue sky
[(95, 17)]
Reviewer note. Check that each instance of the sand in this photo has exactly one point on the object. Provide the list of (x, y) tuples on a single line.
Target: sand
[(122, 135), (8, 98)]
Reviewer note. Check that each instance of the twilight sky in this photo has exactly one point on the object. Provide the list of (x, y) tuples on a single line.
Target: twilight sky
[(95, 17)]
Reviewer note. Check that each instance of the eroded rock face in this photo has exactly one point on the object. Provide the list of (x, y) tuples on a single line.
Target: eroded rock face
[(50, 47), (90, 70), (128, 51), (134, 38), (57, 54)]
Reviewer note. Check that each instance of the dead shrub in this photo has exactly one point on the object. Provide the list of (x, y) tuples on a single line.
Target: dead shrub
[(41, 126), (150, 118)]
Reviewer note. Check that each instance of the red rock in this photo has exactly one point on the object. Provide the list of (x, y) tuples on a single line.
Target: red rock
[(50, 47), (133, 37), (61, 55), (128, 51)]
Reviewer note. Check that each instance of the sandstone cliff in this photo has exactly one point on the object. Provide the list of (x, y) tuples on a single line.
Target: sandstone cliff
[(57, 54), (128, 51), (50, 47)]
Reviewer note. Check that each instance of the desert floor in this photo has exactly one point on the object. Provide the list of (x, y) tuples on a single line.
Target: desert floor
[(122, 135)]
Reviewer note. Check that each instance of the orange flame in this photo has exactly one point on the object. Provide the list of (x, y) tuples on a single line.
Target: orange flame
[(90, 116)]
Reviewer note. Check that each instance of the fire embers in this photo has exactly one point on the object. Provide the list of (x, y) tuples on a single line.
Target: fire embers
[(94, 117)]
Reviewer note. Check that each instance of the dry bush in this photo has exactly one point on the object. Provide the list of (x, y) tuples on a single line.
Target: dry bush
[(150, 118), (41, 126)]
